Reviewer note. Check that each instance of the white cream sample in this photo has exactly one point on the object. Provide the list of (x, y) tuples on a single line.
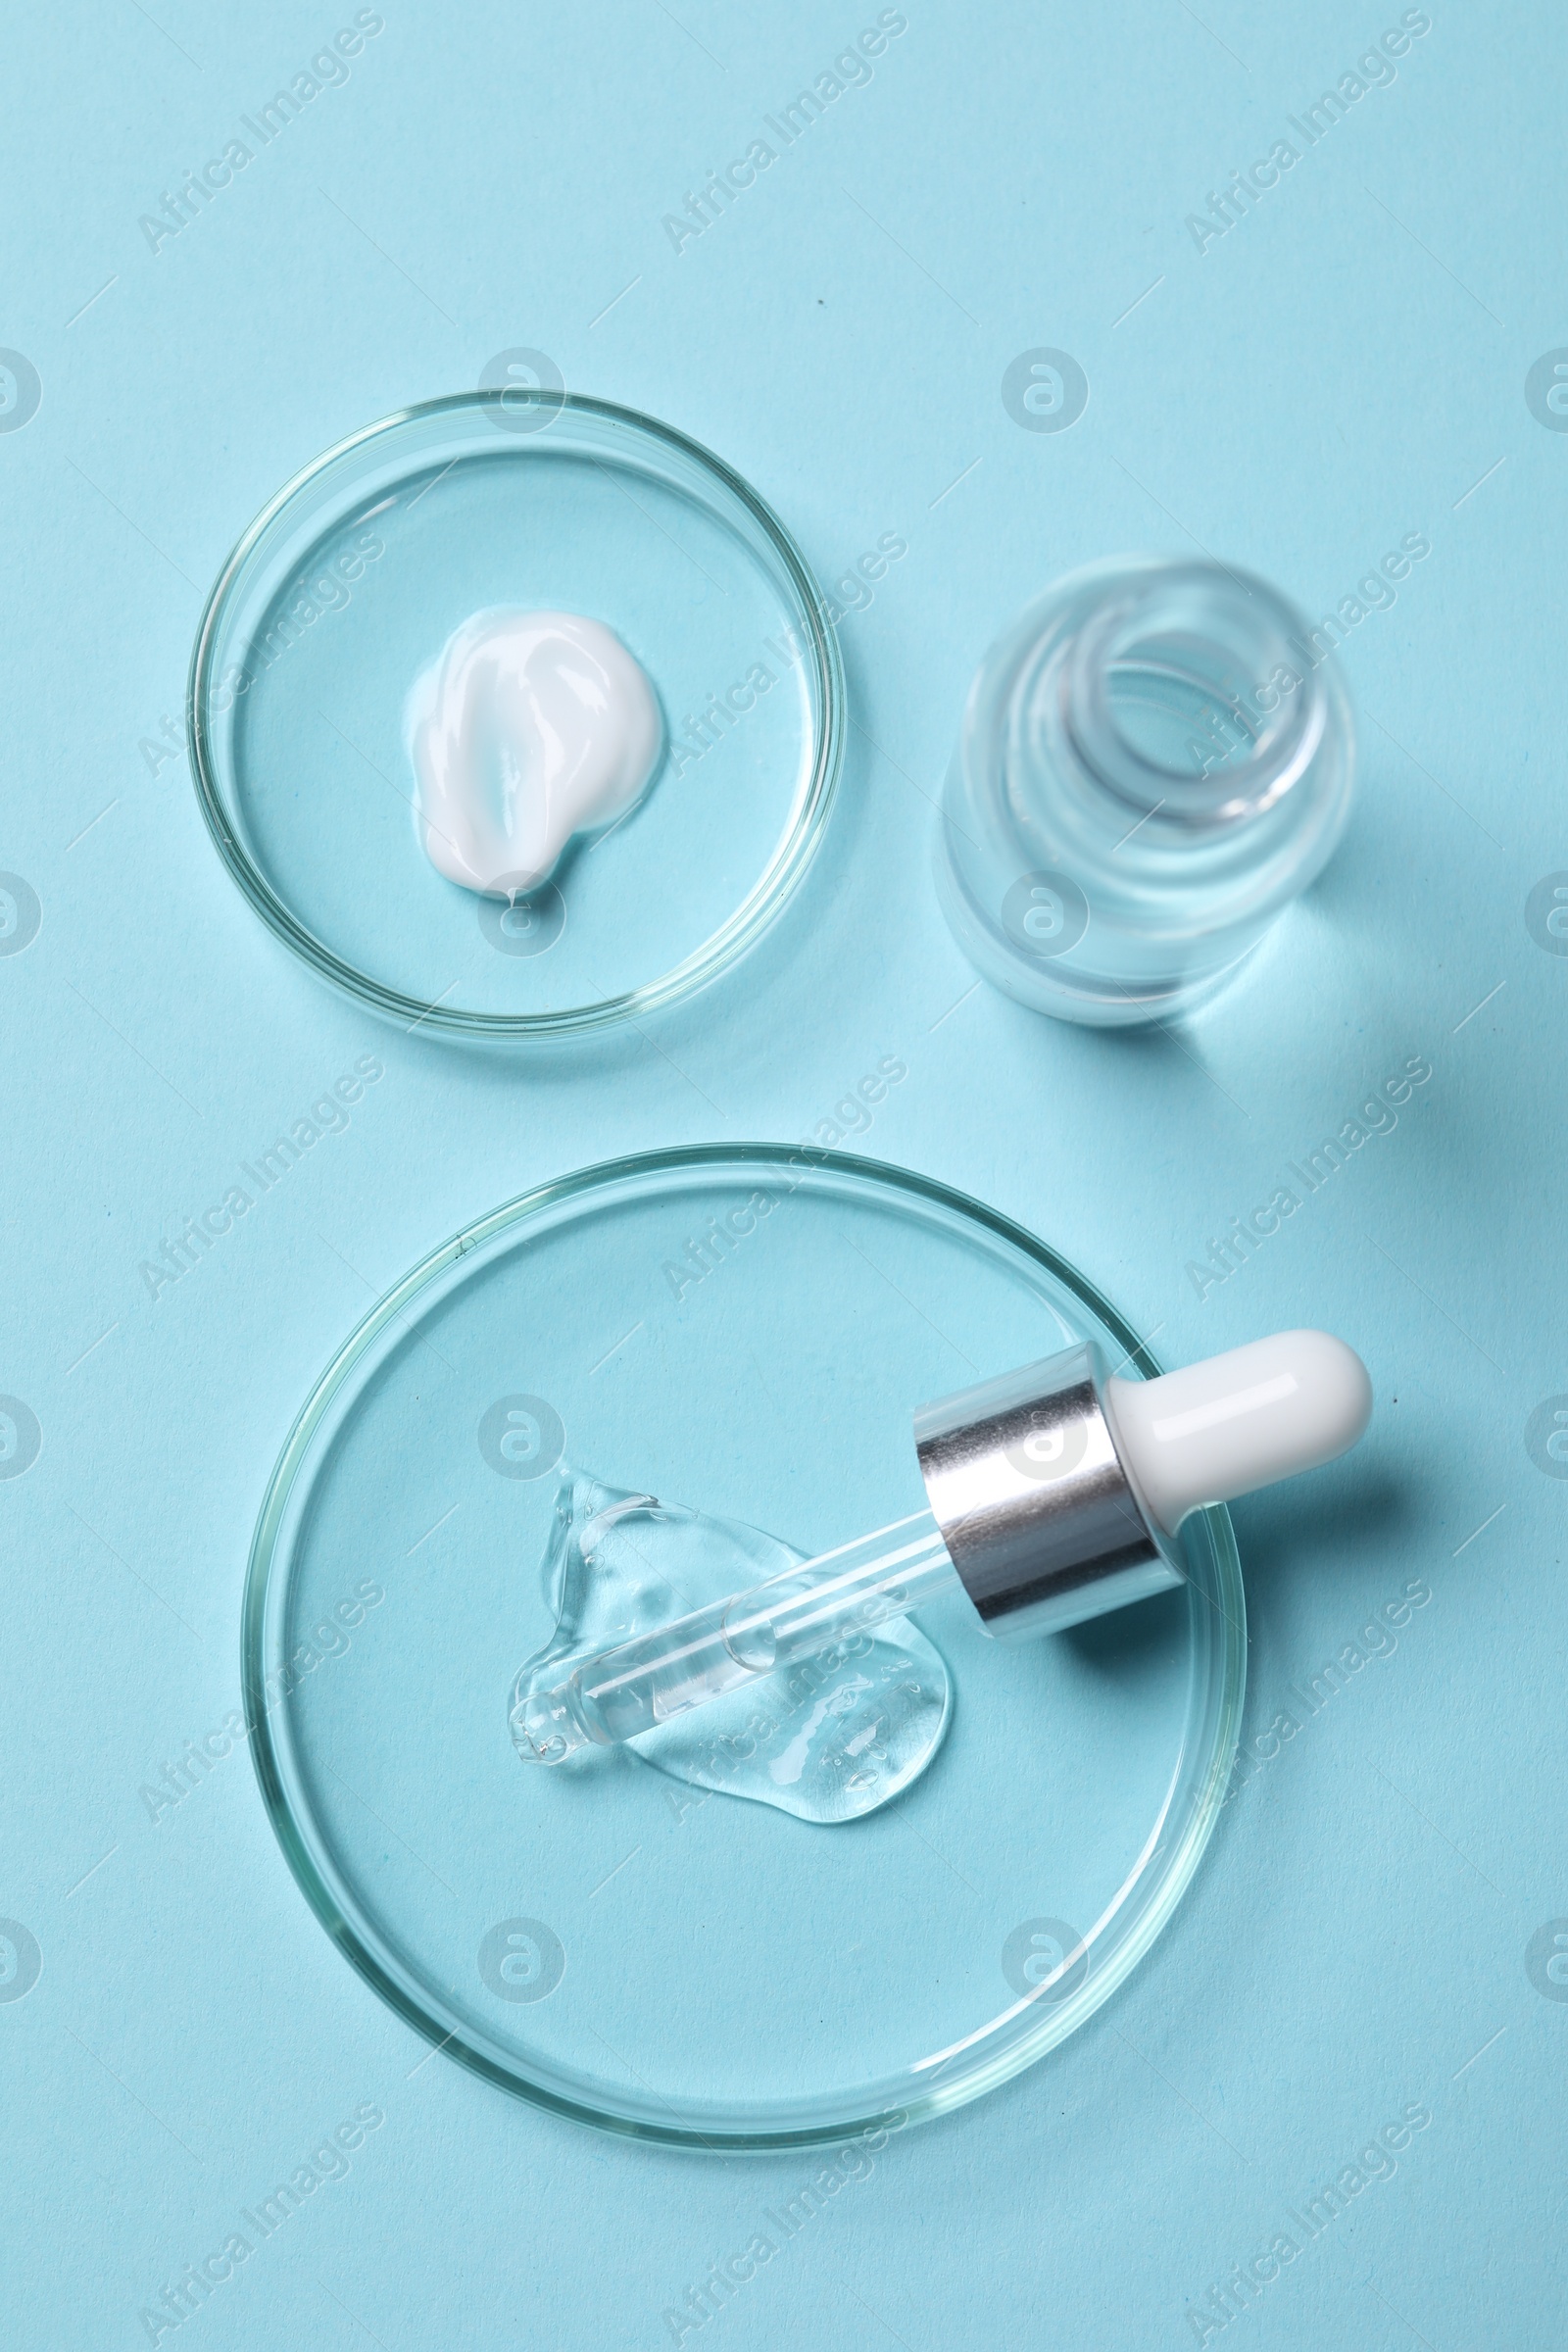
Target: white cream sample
[(529, 728)]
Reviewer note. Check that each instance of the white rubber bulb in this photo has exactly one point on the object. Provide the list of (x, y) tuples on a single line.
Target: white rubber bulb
[(1239, 1421)]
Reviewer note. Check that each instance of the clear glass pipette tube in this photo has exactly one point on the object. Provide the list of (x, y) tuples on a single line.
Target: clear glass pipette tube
[(645, 1682)]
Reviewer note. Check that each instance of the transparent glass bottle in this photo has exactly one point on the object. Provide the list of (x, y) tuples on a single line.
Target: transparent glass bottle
[(1155, 759)]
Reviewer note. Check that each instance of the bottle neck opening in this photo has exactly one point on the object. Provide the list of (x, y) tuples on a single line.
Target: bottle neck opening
[(1186, 699)]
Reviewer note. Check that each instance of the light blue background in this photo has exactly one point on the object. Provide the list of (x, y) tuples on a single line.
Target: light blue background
[(1341, 368)]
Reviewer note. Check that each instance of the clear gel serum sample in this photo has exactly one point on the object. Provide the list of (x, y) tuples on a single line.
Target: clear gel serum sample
[(528, 728), (827, 1740)]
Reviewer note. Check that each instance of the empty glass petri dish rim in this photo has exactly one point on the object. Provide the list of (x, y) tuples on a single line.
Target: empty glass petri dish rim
[(415, 1712), (420, 446)]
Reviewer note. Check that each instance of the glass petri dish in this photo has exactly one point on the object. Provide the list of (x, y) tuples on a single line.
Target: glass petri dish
[(683, 1968), (348, 585)]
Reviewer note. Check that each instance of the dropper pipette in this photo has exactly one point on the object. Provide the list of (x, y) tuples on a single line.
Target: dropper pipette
[(1055, 1494)]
